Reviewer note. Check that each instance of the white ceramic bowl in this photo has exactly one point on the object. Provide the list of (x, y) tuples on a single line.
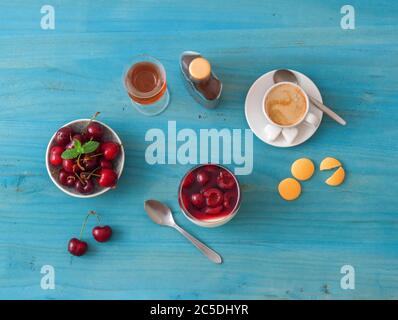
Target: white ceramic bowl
[(108, 135)]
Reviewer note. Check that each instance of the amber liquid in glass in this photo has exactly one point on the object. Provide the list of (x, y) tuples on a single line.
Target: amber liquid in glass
[(144, 78)]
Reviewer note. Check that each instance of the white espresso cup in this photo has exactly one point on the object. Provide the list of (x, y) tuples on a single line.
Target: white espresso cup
[(289, 132)]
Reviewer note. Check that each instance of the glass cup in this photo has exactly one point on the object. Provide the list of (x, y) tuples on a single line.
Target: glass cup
[(209, 195), (145, 82)]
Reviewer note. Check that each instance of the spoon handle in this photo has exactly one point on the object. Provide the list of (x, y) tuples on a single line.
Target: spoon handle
[(211, 254), (328, 111)]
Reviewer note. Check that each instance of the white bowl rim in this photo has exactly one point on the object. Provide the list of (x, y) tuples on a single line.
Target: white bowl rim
[(92, 195)]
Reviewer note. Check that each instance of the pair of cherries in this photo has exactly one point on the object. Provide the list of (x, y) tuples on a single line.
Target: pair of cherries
[(78, 247)]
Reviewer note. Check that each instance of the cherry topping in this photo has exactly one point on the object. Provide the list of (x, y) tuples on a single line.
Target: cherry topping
[(102, 234), (63, 135), (110, 150), (94, 131), (108, 178), (198, 200), (215, 210), (229, 200), (188, 181), (214, 197), (225, 180), (202, 177), (55, 155), (84, 186), (77, 247)]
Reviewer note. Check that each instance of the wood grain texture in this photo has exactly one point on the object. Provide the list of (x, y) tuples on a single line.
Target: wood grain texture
[(272, 249)]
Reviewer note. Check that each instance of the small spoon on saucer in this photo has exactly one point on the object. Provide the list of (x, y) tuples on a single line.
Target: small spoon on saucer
[(288, 76), (161, 214)]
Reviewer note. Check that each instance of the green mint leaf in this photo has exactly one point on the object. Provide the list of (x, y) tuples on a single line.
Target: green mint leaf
[(69, 154), (78, 146), (90, 146)]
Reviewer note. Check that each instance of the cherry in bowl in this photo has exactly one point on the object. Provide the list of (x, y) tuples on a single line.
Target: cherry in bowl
[(209, 195)]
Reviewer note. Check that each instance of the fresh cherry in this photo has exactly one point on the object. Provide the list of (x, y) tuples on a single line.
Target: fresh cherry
[(77, 247), (105, 164), (55, 155), (108, 178), (110, 150), (81, 137), (202, 177), (214, 197), (84, 186), (198, 200), (69, 165), (63, 136), (102, 234), (89, 163), (94, 131), (66, 178), (225, 180)]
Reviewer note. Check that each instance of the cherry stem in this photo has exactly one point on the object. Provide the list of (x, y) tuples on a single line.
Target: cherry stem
[(84, 226), (78, 163), (91, 120), (97, 216), (78, 177), (96, 155)]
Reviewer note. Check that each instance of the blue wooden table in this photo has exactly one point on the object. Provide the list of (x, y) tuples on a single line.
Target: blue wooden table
[(272, 249)]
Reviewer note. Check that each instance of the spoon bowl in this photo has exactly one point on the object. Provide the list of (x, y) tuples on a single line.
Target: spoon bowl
[(161, 214)]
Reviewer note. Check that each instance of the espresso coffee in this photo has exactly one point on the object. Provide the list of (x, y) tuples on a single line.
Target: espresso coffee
[(285, 104)]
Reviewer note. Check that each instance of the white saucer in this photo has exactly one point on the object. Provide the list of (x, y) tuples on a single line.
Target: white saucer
[(257, 121)]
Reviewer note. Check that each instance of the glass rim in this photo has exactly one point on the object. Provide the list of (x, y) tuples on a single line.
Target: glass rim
[(145, 58)]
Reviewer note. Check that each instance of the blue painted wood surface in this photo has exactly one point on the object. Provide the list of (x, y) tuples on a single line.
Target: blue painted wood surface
[(272, 249)]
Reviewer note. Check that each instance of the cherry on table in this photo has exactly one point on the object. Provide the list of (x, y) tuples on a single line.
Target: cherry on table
[(110, 150), (55, 155), (63, 136), (77, 247), (102, 233)]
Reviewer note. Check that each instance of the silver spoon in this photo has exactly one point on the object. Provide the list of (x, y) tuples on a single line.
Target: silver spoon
[(287, 75), (161, 214)]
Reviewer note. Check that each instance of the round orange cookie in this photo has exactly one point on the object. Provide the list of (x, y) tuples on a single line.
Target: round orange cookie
[(289, 189), (303, 169)]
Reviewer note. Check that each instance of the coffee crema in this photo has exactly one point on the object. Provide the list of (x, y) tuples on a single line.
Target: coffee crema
[(285, 105)]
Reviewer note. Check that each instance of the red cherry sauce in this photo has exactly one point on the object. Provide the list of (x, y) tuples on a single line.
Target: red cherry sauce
[(209, 192)]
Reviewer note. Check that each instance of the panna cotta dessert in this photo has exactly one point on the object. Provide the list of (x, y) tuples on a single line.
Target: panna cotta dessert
[(209, 195)]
